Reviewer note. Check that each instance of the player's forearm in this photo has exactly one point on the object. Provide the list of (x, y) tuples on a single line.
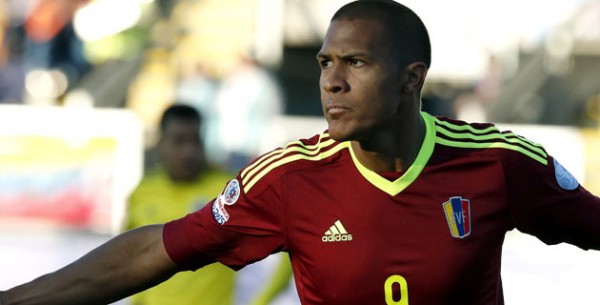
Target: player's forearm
[(127, 264)]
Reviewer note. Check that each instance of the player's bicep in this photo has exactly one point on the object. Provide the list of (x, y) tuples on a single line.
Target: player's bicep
[(234, 229), (548, 202)]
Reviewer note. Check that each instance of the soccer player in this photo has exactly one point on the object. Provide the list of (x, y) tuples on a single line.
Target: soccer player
[(390, 205)]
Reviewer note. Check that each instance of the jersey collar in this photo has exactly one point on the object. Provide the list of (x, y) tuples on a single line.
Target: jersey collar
[(395, 187)]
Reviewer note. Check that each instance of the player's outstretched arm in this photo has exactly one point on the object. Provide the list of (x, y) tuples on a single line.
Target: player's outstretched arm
[(128, 263)]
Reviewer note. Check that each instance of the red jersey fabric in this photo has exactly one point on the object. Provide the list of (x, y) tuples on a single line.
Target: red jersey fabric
[(432, 236)]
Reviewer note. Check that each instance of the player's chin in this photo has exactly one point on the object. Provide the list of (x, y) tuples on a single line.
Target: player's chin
[(338, 137), (339, 133)]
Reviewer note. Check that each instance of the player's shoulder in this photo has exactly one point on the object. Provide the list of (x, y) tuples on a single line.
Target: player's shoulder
[(460, 125), (316, 151), (459, 134)]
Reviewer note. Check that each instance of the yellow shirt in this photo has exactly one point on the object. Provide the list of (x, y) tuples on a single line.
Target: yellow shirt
[(157, 199)]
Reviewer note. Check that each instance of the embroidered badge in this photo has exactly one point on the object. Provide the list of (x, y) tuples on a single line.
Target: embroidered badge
[(232, 192), (229, 196), (219, 212), (564, 179), (458, 216)]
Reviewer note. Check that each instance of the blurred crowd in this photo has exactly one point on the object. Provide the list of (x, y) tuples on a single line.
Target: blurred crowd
[(59, 52)]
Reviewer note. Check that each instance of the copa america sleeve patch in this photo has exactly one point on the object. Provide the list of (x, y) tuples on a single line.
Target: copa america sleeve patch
[(229, 196), (231, 192), (564, 179)]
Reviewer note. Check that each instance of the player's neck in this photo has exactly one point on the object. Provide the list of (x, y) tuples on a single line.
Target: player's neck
[(393, 152)]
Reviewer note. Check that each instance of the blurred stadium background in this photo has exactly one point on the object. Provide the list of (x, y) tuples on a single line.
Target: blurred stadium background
[(83, 82)]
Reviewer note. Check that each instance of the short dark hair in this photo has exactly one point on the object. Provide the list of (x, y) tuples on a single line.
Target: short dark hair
[(179, 112), (406, 31)]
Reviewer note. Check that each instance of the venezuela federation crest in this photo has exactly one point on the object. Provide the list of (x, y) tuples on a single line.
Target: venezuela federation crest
[(458, 215)]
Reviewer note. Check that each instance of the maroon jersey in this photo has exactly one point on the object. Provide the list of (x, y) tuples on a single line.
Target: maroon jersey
[(432, 235)]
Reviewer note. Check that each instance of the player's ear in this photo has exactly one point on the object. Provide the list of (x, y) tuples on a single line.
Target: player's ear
[(415, 77)]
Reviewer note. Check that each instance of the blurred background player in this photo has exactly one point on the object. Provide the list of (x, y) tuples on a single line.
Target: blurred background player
[(181, 182)]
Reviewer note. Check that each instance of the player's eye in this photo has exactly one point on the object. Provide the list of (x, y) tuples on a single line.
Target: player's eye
[(324, 63), (356, 62)]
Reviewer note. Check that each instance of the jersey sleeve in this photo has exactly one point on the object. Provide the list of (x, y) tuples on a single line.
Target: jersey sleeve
[(546, 201), (235, 229)]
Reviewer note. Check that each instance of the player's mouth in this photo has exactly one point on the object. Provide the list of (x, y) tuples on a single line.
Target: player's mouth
[(335, 110)]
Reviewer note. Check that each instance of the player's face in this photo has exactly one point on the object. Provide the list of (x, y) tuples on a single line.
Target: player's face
[(181, 150), (360, 80)]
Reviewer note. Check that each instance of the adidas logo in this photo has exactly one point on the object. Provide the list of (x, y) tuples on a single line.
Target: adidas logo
[(337, 232)]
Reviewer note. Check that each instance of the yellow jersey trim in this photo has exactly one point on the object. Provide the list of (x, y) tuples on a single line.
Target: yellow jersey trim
[(471, 137), (299, 151), (393, 188)]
